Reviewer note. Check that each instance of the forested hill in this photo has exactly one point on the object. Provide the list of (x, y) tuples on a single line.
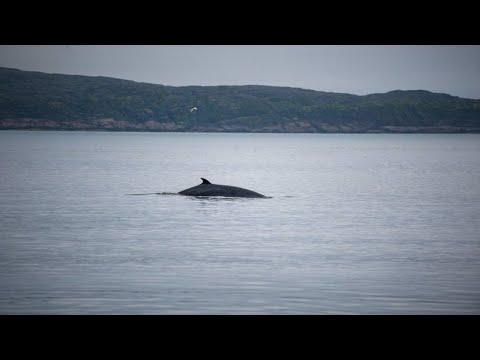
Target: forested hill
[(34, 100)]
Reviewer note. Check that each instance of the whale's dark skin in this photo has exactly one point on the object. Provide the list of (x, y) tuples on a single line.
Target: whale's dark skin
[(206, 188)]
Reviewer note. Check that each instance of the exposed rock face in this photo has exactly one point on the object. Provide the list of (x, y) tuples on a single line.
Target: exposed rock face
[(297, 126), (98, 124)]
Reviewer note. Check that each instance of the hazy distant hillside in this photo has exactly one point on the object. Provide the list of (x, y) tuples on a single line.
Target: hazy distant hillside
[(33, 100)]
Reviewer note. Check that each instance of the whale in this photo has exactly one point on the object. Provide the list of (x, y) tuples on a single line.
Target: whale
[(206, 188)]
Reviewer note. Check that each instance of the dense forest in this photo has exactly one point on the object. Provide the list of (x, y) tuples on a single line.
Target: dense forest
[(34, 100)]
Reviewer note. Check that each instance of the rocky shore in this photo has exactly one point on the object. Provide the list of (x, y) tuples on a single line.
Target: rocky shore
[(109, 124)]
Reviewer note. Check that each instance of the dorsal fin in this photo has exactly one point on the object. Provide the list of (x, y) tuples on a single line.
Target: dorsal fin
[(205, 181)]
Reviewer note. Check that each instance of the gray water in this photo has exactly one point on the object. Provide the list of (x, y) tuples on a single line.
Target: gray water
[(357, 224)]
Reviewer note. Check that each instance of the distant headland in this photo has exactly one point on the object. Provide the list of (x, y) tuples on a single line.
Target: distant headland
[(40, 101)]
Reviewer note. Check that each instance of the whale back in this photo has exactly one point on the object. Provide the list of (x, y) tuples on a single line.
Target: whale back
[(206, 188)]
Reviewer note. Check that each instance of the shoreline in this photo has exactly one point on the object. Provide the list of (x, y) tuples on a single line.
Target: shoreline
[(374, 132)]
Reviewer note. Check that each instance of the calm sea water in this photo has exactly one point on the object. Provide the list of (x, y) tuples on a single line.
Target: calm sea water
[(357, 224)]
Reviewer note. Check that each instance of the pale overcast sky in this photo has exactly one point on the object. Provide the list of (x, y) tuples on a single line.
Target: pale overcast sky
[(359, 69)]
